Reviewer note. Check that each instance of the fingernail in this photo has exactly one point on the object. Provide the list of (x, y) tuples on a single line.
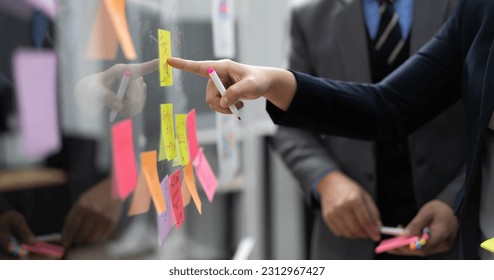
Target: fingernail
[(117, 105), (224, 102)]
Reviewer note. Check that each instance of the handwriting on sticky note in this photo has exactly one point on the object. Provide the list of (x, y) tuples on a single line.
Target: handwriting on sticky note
[(180, 122), (488, 245), (124, 160), (205, 175), (165, 51), (142, 198), (149, 166), (35, 77), (109, 28), (176, 196), (192, 134), (166, 220), (168, 130), (395, 242), (191, 185)]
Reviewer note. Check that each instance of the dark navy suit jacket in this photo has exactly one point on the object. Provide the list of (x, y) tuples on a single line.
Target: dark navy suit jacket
[(457, 63)]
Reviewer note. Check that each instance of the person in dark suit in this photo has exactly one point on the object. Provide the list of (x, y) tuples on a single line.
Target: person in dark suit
[(341, 177), (457, 63)]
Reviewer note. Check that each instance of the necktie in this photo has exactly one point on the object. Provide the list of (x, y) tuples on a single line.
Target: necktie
[(389, 41)]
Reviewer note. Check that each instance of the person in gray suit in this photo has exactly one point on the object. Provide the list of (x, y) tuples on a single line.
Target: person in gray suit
[(355, 186)]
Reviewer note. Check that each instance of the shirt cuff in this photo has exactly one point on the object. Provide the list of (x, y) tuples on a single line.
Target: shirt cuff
[(317, 180)]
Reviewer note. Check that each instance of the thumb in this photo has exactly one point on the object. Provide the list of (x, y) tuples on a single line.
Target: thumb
[(421, 220), (22, 231), (111, 100)]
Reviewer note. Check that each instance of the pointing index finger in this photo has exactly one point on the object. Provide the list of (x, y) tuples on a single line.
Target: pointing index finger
[(197, 67)]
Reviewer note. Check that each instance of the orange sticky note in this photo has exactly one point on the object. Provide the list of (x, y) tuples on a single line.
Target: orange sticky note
[(176, 196), (192, 134), (149, 166), (180, 124), (205, 175), (141, 199), (185, 194), (168, 130), (165, 51), (124, 163), (110, 28), (191, 185)]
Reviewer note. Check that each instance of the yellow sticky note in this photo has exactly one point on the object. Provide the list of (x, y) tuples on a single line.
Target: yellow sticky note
[(168, 130), (191, 184), (162, 151), (165, 51), (149, 166), (181, 127), (177, 160), (488, 245)]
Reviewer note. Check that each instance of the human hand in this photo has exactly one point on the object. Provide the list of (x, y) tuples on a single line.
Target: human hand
[(94, 217), (347, 209), (443, 225), (96, 91), (14, 225), (242, 82)]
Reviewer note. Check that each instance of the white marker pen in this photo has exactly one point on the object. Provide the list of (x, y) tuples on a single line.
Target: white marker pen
[(122, 88), (221, 88), (392, 231)]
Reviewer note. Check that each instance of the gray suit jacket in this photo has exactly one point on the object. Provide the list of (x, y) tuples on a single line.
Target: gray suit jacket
[(328, 39)]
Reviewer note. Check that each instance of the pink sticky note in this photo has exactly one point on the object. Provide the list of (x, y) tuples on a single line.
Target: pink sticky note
[(35, 75), (43, 248), (205, 175), (176, 196), (192, 134), (395, 242), (124, 160), (166, 220)]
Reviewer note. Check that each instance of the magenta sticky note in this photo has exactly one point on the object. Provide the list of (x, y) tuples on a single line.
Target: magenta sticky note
[(166, 220), (124, 161), (205, 175), (35, 77), (192, 134), (395, 242), (176, 196)]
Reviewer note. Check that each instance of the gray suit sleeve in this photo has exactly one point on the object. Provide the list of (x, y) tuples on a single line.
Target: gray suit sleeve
[(448, 194), (304, 152)]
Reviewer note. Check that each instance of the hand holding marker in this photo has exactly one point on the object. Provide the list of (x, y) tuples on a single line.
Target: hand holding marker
[(122, 88), (221, 88)]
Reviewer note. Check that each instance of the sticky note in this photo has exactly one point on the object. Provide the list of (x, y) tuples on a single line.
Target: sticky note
[(185, 194), (166, 220), (168, 130), (141, 199), (180, 123), (165, 51), (191, 185), (176, 196), (488, 245), (149, 166), (46, 249), (35, 77), (177, 161), (395, 242), (205, 175), (124, 160), (162, 150), (192, 134), (48, 7), (110, 28)]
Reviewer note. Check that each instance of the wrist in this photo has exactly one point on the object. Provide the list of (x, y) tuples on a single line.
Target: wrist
[(282, 87)]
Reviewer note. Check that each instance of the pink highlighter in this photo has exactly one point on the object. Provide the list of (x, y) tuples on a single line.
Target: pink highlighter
[(395, 242), (43, 248)]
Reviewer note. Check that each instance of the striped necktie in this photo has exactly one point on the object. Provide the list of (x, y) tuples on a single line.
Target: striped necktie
[(389, 41)]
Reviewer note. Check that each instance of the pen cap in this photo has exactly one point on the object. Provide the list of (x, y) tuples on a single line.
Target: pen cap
[(210, 71)]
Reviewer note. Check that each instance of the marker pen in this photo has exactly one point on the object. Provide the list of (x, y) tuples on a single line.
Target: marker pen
[(221, 88), (122, 88)]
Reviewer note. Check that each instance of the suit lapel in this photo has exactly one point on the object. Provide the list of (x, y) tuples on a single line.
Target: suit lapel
[(428, 16), (351, 41)]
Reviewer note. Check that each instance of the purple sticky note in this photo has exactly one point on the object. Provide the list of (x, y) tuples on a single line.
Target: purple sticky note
[(35, 76), (166, 221), (205, 174)]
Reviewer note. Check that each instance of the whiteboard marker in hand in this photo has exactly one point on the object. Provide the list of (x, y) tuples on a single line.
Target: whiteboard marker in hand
[(122, 88), (221, 88)]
